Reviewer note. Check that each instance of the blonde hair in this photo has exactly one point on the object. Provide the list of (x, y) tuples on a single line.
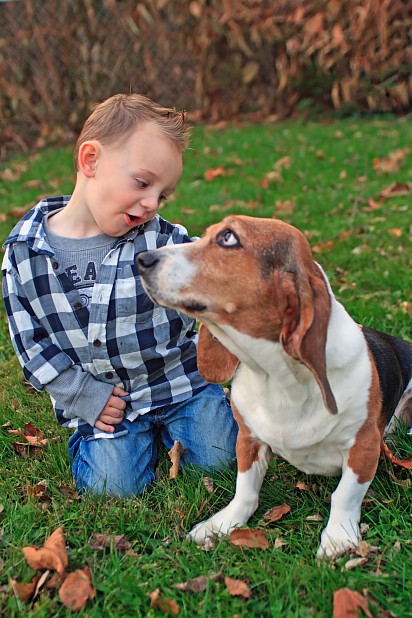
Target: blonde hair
[(116, 117)]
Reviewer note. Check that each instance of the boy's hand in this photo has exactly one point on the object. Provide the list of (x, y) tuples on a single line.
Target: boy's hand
[(113, 411)]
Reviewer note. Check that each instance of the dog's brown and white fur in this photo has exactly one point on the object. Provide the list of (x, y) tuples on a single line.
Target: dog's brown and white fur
[(308, 383)]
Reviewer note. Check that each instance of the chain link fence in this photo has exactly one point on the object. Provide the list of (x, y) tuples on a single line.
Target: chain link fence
[(58, 57)]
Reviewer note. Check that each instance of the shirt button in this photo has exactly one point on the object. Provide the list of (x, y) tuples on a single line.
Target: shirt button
[(55, 265), (108, 375), (97, 343), (77, 306)]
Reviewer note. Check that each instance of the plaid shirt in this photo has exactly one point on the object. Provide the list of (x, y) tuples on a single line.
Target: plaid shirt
[(77, 354)]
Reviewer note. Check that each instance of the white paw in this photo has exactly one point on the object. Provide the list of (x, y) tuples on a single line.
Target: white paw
[(206, 530), (338, 538)]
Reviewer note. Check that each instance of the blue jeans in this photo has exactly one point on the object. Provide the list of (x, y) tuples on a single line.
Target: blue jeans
[(125, 466)]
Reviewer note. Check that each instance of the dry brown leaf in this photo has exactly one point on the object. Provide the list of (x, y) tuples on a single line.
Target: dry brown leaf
[(323, 246), (285, 208), (403, 463), (106, 541), (208, 483), (18, 213), (175, 455), (391, 163), (349, 603), (276, 513), (301, 485), (283, 162), (24, 591), (39, 491), (246, 537), (196, 584), (397, 189), (167, 606), (26, 450), (354, 562), (315, 517), (364, 549), (237, 588), (213, 172), (51, 556), (77, 589), (395, 231)]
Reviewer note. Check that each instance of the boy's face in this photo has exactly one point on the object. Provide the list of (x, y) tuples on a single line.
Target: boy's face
[(131, 179)]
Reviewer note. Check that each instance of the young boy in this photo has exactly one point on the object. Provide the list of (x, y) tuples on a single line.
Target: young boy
[(118, 368)]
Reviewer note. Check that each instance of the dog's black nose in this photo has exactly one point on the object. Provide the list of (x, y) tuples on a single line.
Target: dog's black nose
[(146, 259)]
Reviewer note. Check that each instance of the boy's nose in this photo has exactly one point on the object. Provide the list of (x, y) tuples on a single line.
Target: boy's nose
[(150, 202)]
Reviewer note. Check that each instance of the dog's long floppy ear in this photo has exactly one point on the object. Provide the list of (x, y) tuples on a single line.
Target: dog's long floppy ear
[(215, 363), (305, 323)]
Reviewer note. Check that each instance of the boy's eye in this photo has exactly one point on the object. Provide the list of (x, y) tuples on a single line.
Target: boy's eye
[(141, 183)]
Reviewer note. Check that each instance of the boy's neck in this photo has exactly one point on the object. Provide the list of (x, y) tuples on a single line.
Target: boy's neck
[(74, 220)]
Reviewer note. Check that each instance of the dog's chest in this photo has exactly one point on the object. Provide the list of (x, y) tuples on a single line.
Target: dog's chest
[(292, 420)]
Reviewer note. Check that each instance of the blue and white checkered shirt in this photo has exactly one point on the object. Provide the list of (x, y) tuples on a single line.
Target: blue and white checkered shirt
[(77, 354)]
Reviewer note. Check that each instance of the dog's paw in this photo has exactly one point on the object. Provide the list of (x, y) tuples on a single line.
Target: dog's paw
[(337, 539), (203, 532)]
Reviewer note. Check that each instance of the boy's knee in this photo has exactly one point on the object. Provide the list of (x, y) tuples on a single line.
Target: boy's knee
[(100, 467)]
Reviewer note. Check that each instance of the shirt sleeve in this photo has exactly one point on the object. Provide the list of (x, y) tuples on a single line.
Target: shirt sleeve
[(79, 394), (44, 364)]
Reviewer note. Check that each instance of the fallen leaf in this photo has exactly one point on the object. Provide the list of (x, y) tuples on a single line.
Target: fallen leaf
[(279, 543), (18, 213), (24, 591), (323, 246), (167, 606), (403, 463), (348, 604), (391, 163), (52, 555), (315, 517), (106, 541), (396, 232), (237, 588), (196, 584), (301, 485), (39, 491), (246, 537), (175, 455), (26, 450), (397, 189), (213, 172), (208, 483), (285, 208), (276, 513), (354, 562), (77, 589), (364, 549), (283, 162)]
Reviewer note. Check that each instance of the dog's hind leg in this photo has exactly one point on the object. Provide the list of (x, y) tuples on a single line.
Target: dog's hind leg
[(253, 459)]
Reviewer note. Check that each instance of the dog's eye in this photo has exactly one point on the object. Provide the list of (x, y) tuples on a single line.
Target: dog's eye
[(228, 239)]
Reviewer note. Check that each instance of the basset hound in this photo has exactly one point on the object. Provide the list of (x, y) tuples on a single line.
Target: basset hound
[(308, 383)]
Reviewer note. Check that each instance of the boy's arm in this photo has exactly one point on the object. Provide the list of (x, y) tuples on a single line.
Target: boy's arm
[(45, 365)]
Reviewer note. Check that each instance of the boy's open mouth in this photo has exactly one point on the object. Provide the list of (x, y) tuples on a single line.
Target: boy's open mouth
[(132, 220)]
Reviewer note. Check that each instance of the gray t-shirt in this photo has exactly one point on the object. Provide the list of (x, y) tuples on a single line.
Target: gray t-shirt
[(80, 258)]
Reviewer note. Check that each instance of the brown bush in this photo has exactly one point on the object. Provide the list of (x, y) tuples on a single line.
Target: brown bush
[(217, 59)]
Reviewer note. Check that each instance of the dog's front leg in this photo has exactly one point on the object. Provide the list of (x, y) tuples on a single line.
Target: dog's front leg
[(253, 459), (342, 530)]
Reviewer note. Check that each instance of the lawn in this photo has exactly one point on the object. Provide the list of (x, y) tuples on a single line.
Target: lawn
[(347, 184)]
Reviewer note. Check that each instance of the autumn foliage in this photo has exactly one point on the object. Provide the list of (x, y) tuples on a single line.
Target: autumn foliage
[(216, 59)]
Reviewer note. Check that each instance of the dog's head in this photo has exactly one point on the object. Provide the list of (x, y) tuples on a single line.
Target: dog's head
[(256, 276)]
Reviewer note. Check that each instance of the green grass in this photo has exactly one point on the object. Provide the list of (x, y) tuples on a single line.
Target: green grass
[(330, 179)]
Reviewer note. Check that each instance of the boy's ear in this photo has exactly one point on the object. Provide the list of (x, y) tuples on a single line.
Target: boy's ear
[(87, 157)]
